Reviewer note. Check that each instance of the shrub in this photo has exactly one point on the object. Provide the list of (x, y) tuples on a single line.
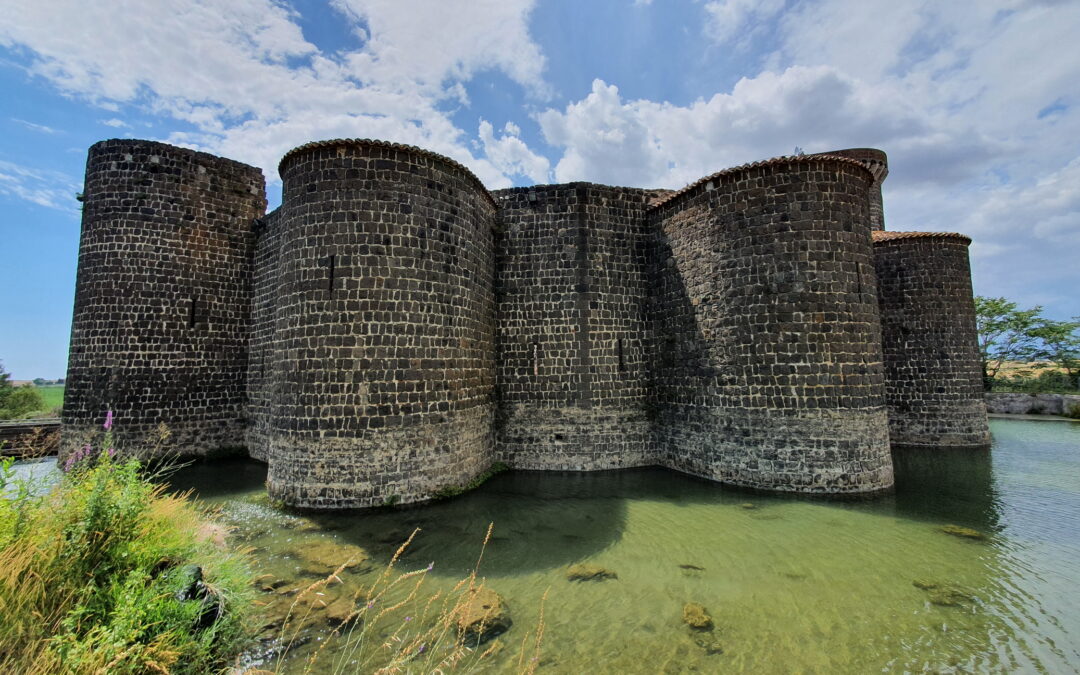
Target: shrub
[(106, 572), (20, 402)]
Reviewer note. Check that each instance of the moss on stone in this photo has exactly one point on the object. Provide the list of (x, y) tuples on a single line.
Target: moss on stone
[(696, 616), (585, 572), (455, 490), (963, 532)]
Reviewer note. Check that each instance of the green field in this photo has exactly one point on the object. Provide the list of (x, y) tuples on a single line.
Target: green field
[(53, 396)]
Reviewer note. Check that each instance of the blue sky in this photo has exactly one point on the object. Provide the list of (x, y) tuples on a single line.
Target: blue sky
[(976, 104)]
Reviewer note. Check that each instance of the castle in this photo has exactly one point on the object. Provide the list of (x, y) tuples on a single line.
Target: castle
[(394, 328)]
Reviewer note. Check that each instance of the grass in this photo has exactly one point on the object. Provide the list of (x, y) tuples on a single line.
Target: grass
[(53, 396), (100, 574)]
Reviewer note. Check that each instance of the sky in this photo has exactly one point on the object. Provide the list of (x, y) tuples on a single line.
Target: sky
[(977, 104)]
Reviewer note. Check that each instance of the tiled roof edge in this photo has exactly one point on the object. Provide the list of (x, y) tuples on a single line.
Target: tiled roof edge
[(775, 161), (369, 142)]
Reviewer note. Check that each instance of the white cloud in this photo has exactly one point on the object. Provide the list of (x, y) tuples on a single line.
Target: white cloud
[(115, 123), (739, 21), (425, 43), (645, 143), (40, 128), (50, 189), (243, 75), (511, 155)]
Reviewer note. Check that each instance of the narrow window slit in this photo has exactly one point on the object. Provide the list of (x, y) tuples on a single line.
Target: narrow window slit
[(192, 309), (619, 351), (331, 263)]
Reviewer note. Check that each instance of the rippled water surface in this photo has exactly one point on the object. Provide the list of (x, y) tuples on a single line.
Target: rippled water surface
[(793, 585)]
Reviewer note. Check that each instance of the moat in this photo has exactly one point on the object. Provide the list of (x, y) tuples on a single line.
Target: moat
[(792, 583)]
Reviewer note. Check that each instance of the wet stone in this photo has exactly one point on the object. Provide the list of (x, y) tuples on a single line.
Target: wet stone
[(584, 572)]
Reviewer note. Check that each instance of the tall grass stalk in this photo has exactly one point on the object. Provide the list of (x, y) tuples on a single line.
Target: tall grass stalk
[(397, 627)]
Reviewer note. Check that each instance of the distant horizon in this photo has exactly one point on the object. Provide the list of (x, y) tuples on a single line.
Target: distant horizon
[(973, 103)]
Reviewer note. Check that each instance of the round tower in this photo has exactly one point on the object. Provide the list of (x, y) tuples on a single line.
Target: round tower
[(878, 163), (381, 383), (769, 368), (159, 333), (933, 379)]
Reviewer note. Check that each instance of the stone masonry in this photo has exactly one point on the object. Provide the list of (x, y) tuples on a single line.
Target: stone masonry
[(393, 328)]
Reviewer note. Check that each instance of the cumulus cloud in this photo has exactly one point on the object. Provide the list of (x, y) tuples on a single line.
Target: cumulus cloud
[(511, 155), (425, 44), (243, 76), (645, 143)]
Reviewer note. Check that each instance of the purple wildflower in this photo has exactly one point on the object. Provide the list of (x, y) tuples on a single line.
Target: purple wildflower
[(108, 420), (421, 650), (111, 452), (430, 566), (408, 618)]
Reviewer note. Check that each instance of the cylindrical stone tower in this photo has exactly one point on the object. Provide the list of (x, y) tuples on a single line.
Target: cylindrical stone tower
[(383, 350), (162, 299), (769, 371), (933, 381), (878, 163)]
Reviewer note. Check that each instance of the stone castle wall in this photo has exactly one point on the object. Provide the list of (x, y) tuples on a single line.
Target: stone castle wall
[(933, 381), (393, 329), (769, 369), (572, 358), (382, 375), (162, 300)]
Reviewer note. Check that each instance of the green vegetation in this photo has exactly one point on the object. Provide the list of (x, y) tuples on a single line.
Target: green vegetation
[(106, 572), (28, 401), (53, 396), (1023, 351)]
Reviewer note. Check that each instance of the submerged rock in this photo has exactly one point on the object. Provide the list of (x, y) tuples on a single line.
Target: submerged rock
[(748, 506), (584, 572), (925, 584), (323, 557), (696, 616), (483, 615), (709, 642), (692, 567), (963, 532), (949, 597)]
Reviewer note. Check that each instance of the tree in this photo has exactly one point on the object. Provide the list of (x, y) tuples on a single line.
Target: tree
[(40, 382), (1060, 346), (5, 385), (1005, 334)]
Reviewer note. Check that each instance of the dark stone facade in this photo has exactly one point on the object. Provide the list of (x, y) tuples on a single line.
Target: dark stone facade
[(163, 296), (394, 328), (933, 382), (768, 368)]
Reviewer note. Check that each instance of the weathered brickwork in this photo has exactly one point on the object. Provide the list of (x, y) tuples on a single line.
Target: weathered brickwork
[(933, 382), (162, 300), (572, 357), (768, 368), (382, 374), (393, 328), (878, 164)]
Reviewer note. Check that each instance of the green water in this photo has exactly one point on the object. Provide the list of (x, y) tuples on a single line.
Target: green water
[(793, 585)]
